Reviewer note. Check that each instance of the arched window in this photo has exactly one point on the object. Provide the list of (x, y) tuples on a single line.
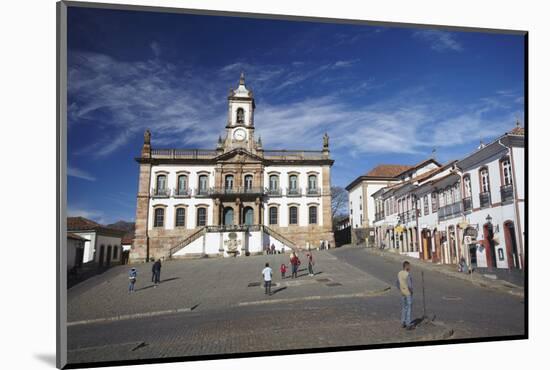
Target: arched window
[(273, 215), (161, 184), (248, 182), (229, 180), (293, 215), (484, 180), (240, 115), (159, 217), (293, 182), (182, 184), (180, 217), (201, 216), (506, 171), (228, 216), (312, 182), (313, 215), (203, 184), (273, 182), (467, 186)]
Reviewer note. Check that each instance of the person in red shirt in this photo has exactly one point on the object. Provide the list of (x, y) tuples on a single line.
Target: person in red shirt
[(295, 262), (283, 270)]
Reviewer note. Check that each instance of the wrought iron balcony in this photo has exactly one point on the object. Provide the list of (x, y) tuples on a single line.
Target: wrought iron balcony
[(273, 192), (467, 204), (293, 192), (485, 199), (313, 191), (182, 193), (449, 211), (160, 193), (236, 190), (506, 193), (202, 192)]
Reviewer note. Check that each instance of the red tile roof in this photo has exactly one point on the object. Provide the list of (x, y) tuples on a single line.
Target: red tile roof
[(388, 170), (83, 224)]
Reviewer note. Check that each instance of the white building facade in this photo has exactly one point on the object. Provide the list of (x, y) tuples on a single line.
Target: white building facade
[(233, 200), (470, 210)]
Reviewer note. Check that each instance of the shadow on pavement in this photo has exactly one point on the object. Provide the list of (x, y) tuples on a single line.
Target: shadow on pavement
[(278, 290)]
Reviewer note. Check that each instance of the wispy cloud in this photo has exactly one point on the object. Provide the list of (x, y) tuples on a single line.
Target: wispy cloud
[(78, 173), (187, 108), (92, 214), (439, 40)]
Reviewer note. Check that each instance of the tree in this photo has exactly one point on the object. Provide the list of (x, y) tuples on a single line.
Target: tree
[(339, 203)]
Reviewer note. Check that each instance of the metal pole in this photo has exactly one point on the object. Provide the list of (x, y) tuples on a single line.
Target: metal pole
[(423, 298)]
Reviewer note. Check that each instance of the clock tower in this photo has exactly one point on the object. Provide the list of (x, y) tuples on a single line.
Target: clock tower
[(240, 119)]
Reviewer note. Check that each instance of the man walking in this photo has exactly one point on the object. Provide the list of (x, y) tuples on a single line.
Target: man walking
[(267, 273), (294, 262), (156, 272), (404, 284), (310, 264)]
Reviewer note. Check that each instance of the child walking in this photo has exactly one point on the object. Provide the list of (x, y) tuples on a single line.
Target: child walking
[(133, 277), (283, 270)]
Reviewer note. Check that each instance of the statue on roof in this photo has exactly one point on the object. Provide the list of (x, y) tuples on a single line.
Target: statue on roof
[(147, 137), (325, 140), (241, 80)]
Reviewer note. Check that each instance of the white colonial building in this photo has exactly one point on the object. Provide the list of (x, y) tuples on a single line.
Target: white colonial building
[(102, 245), (362, 209), (470, 209), (232, 200)]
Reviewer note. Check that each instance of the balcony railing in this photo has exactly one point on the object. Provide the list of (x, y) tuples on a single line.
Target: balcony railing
[(160, 193), (240, 190), (181, 193), (506, 192), (313, 191), (378, 216), (183, 153), (293, 192), (202, 192), (467, 204), (485, 199), (449, 211), (273, 192)]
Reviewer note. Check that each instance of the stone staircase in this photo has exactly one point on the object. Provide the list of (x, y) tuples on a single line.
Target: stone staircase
[(188, 240), (201, 232)]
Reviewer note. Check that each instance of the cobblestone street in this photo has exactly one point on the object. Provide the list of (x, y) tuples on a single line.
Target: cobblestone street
[(220, 313)]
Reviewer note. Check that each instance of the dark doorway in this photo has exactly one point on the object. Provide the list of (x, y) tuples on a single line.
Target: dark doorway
[(489, 245), (109, 254), (248, 216), (426, 245), (101, 255), (511, 245)]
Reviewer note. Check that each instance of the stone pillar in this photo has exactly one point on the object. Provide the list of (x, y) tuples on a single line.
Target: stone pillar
[(216, 212), (326, 209), (237, 213), (140, 248)]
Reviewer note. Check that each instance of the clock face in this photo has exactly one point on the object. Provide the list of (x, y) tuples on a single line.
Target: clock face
[(239, 135)]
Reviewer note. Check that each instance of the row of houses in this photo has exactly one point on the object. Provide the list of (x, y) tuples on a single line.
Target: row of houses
[(469, 210)]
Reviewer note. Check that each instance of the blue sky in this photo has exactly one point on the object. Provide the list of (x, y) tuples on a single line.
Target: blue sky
[(383, 94)]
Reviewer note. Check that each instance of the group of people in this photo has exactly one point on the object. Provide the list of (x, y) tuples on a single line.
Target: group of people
[(267, 272), (155, 277), (270, 249)]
